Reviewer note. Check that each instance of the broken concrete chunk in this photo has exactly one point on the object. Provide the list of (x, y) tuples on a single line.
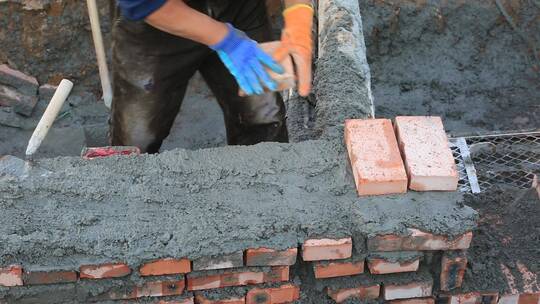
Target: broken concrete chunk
[(22, 104), (46, 91), (20, 81)]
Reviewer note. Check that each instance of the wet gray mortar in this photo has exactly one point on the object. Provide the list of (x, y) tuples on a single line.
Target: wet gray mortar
[(198, 203)]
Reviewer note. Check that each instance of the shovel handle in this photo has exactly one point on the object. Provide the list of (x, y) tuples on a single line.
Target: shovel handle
[(47, 120)]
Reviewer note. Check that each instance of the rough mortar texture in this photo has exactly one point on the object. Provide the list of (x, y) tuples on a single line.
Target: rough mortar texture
[(342, 80), (199, 203)]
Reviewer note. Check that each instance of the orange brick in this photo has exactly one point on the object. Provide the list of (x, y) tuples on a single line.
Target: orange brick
[(271, 257), (11, 276), (414, 301), (326, 249), (406, 291), (201, 299), (360, 292), (337, 269), (453, 266), (165, 267), (104, 271), (382, 266), (417, 241), (428, 159), (284, 294), (49, 277), (375, 158), (240, 278)]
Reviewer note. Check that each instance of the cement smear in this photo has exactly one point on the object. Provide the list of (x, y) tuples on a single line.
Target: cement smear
[(201, 203), (457, 59)]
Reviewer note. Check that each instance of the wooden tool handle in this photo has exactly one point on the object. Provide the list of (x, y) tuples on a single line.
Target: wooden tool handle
[(47, 120), (100, 52)]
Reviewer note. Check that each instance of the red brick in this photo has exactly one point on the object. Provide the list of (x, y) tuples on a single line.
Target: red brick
[(165, 267), (240, 278), (188, 300), (509, 299), (529, 298), (417, 241), (428, 159), (11, 276), (232, 260), (201, 299), (375, 158), (286, 80), (100, 152), (414, 301), (149, 289), (22, 82), (22, 104), (453, 266), (406, 291), (284, 294), (382, 266), (360, 292), (474, 298), (49, 277), (337, 269), (104, 271), (271, 257), (326, 249)]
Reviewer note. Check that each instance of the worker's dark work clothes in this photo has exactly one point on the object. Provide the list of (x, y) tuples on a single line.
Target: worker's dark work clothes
[(151, 70)]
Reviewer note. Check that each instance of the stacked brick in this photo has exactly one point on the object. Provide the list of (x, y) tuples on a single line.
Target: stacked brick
[(371, 269), (184, 280)]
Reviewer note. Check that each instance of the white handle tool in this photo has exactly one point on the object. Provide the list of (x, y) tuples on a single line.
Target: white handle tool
[(47, 120), (100, 52)]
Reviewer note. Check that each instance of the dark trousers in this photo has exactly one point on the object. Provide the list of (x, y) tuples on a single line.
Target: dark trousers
[(151, 70)]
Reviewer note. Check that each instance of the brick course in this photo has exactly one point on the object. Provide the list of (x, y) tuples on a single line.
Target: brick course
[(104, 271), (270, 257), (326, 249), (417, 241), (166, 266)]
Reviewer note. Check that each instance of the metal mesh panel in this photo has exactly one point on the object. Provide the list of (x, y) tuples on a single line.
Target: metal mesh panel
[(487, 161)]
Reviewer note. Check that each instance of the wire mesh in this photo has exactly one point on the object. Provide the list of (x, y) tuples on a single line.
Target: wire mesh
[(497, 160)]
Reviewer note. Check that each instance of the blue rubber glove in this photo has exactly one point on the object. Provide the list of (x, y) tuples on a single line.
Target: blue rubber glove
[(245, 60)]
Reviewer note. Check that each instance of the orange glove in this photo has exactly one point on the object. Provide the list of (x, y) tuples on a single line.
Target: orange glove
[(296, 41)]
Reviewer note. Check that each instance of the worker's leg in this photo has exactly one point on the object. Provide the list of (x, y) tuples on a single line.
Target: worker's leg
[(251, 119), (151, 70)]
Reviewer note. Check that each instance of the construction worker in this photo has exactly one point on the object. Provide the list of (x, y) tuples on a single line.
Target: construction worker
[(159, 44)]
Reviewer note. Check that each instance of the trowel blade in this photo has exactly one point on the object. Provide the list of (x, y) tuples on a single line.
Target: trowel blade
[(15, 167)]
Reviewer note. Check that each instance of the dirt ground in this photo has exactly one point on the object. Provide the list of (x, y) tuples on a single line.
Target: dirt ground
[(458, 59)]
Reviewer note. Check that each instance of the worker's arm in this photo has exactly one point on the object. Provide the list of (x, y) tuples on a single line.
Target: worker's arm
[(297, 41), (241, 55)]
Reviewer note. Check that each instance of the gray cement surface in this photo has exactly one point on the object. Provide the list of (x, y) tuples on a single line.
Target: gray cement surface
[(197, 203)]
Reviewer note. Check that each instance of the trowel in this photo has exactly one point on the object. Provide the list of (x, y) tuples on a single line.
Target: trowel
[(21, 169)]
